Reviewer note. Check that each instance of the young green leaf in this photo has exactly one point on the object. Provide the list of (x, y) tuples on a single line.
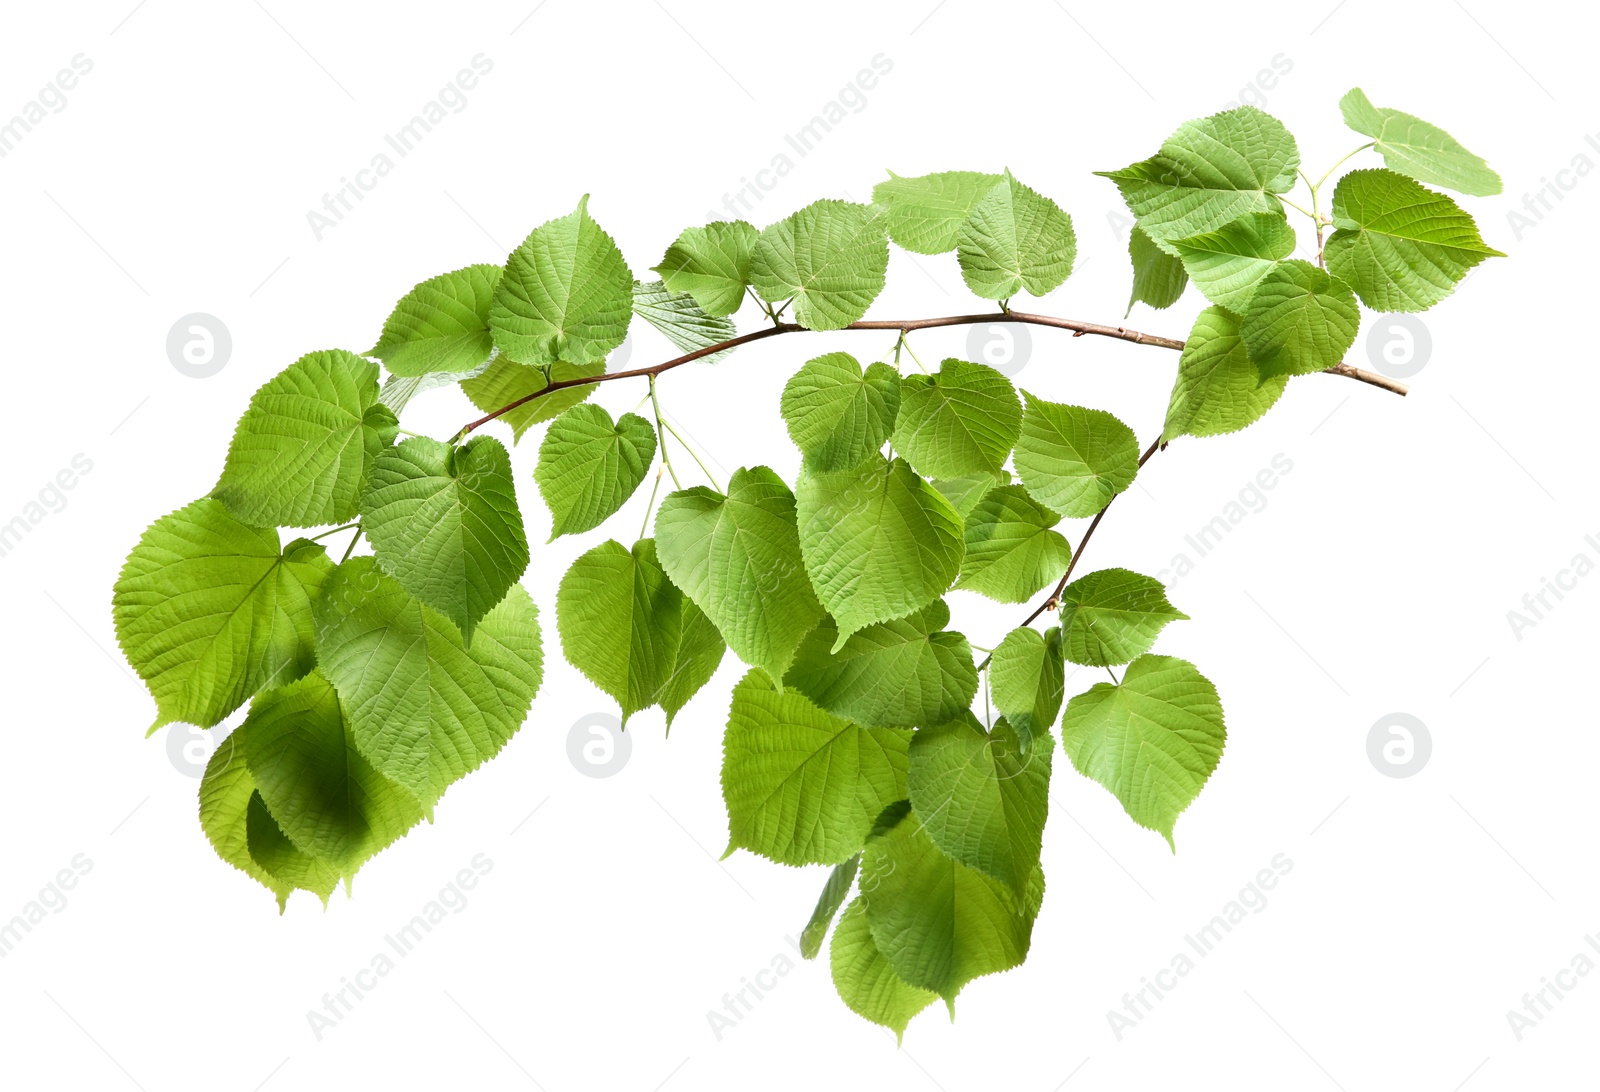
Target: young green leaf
[(444, 522), (866, 983), (1401, 246), (679, 317), (506, 382), (623, 624), (566, 294), (1015, 238), (962, 420), (1158, 278), (878, 541), (1415, 148), (712, 264), (834, 892), (1153, 739), (895, 674), (926, 212), (302, 452), (590, 465), (981, 798), (830, 258), (802, 786), (289, 866), (738, 558), (1228, 263), (424, 709), (838, 415), (324, 794), (1218, 389), (1074, 459), (1011, 550), (1113, 615), (1209, 172), (938, 923), (441, 325), (1299, 321), (1027, 682), (210, 611), (225, 794)]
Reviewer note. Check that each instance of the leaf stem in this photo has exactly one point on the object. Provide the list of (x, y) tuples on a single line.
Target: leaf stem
[(355, 538), (661, 434), (1336, 166), (654, 489), (1297, 208), (335, 531)]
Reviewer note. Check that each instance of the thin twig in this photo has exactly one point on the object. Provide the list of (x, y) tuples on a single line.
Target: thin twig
[(1121, 333)]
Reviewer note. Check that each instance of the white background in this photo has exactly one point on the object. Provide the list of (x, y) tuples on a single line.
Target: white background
[(1377, 579)]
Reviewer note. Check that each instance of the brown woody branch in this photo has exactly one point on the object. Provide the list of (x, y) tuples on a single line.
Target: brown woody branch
[(1077, 327)]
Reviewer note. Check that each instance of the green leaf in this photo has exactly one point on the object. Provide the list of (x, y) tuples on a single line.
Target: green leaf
[(425, 710), (566, 294), (506, 382), (1015, 238), (834, 892), (302, 452), (693, 661), (209, 611), (712, 264), (963, 420), (590, 465), (738, 558), (398, 390), (926, 212), (1415, 148), (1218, 389), (830, 258), (1209, 172), (895, 674), (982, 799), (441, 325), (1401, 246), (1228, 263), (802, 786), (1011, 550), (1299, 321), (444, 522), (1113, 615), (623, 624), (837, 415), (225, 794), (326, 797), (1158, 278), (878, 541), (680, 318), (866, 983), (1152, 739), (1074, 459), (1027, 682), (289, 866), (938, 923), (965, 492)]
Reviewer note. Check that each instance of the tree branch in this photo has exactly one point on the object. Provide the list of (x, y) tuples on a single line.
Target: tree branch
[(1061, 585), (1077, 327)]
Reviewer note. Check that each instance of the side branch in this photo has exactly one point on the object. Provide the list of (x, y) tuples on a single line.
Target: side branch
[(1077, 327)]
